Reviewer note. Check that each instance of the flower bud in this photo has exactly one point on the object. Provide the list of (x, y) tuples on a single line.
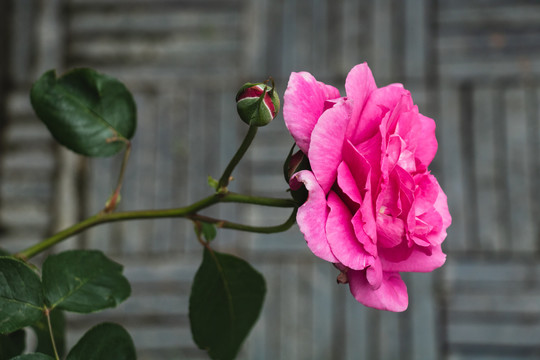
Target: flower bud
[(257, 104), (293, 164)]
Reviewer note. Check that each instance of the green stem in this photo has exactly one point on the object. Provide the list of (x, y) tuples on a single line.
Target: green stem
[(224, 180), (257, 200), (190, 210), (255, 229), (113, 200)]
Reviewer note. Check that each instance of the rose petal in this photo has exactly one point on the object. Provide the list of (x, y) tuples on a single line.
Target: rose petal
[(390, 121), (347, 183), (325, 149), (417, 261), (303, 105), (437, 236), (374, 274), (358, 165), (365, 230), (341, 237), (391, 155), (390, 230), (441, 205), (426, 147), (391, 294), (380, 102), (359, 85), (312, 215), (388, 200), (426, 192), (370, 150), (434, 221)]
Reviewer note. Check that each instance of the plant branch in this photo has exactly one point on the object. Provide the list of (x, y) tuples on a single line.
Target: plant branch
[(241, 227), (258, 200), (224, 179), (113, 200), (186, 212)]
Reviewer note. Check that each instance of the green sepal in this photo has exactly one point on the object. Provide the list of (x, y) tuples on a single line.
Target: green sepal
[(213, 183), (207, 230)]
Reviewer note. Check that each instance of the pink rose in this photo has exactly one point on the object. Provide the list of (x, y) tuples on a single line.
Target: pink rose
[(373, 209)]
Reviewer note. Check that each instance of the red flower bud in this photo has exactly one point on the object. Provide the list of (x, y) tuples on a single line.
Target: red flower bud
[(257, 104), (293, 164)]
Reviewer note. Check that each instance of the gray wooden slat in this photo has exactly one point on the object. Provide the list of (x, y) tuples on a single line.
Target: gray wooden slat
[(333, 39), (289, 324), (305, 310), (415, 38), (507, 14), (323, 278), (357, 328), (196, 156), (382, 38), (255, 37), (526, 302), (303, 58), (65, 192), (475, 356), (272, 310), (163, 183), (257, 343), (140, 178), (490, 273), (151, 20), (423, 316), (174, 50), (100, 187), (490, 334), (490, 232), (288, 37), (22, 40), (182, 230), (351, 32), (450, 154), (390, 327), (489, 68), (274, 38), (533, 110), (518, 171), (319, 37)]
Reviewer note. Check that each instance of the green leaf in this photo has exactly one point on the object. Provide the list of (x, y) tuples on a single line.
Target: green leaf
[(105, 341), (207, 230), (12, 344), (83, 281), (226, 300), (85, 110), (41, 328), (21, 298), (33, 356)]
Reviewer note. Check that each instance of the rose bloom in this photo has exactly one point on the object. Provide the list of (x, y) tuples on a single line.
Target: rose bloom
[(373, 208)]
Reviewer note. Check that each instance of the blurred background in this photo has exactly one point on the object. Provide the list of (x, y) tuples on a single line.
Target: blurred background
[(472, 65)]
